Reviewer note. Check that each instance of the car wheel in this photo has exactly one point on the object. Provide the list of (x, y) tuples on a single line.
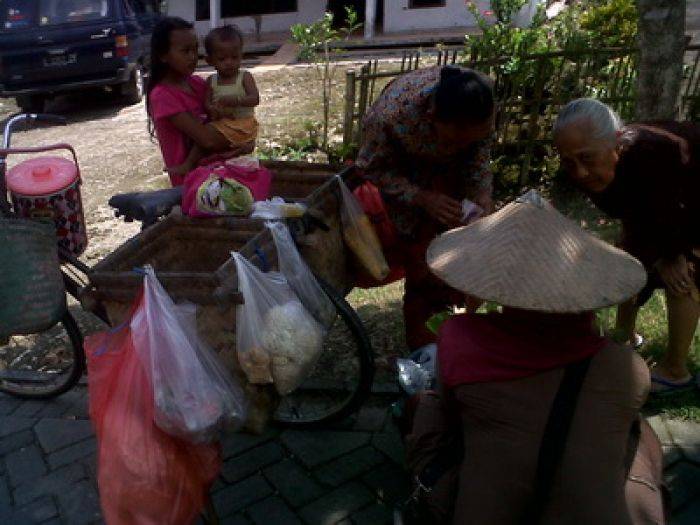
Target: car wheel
[(133, 90), (31, 103)]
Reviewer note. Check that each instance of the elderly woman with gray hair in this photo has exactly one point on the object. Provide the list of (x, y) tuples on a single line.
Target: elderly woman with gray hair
[(648, 176)]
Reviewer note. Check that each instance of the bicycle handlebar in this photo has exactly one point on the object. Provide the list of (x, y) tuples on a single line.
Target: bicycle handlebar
[(50, 119), (21, 117), (7, 134)]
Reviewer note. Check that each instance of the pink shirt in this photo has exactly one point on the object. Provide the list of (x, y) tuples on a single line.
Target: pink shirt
[(166, 101)]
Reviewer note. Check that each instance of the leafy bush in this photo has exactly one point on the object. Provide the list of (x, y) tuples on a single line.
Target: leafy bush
[(610, 23), (530, 86), (596, 24)]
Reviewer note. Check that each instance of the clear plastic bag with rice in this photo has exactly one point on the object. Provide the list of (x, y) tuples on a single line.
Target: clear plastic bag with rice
[(278, 341)]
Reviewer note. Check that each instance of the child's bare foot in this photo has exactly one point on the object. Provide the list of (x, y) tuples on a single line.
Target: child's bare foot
[(181, 171)]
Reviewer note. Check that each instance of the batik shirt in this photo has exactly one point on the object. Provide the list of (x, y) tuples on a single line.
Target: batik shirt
[(401, 154)]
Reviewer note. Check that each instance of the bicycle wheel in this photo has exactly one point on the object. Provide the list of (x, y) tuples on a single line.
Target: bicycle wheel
[(341, 380), (45, 365)]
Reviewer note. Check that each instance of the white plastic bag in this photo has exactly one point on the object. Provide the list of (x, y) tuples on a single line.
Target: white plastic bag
[(360, 235), (471, 211), (413, 378), (277, 339), (300, 277), (277, 208), (195, 396)]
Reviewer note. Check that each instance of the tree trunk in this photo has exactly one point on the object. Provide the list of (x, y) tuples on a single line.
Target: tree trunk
[(661, 42)]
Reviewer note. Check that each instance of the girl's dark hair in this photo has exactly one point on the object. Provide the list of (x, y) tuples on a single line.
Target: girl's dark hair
[(160, 45), (463, 95)]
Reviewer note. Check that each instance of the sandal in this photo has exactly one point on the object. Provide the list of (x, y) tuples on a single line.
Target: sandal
[(662, 386)]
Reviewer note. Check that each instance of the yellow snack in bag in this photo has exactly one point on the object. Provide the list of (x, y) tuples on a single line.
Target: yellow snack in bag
[(360, 235), (362, 239)]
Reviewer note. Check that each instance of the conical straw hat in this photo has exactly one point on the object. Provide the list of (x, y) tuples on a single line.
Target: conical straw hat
[(529, 256)]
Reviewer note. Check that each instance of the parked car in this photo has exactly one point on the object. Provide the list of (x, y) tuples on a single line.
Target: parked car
[(56, 46)]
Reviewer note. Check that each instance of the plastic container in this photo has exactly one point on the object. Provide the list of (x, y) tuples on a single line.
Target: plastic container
[(49, 188)]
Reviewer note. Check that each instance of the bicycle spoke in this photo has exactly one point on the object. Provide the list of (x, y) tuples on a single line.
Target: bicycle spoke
[(42, 365)]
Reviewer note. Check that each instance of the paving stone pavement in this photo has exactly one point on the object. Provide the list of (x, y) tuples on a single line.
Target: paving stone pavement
[(351, 473)]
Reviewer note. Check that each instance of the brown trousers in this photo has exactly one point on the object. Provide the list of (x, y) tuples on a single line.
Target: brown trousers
[(502, 426)]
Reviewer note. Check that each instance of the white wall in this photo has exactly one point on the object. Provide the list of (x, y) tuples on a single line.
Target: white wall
[(398, 16), (308, 11)]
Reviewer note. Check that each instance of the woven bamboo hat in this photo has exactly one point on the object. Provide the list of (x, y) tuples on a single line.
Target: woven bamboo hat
[(529, 256)]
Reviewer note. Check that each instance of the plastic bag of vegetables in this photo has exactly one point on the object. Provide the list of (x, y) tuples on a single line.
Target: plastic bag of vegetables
[(278, 341), (360, 235), (299, 276)]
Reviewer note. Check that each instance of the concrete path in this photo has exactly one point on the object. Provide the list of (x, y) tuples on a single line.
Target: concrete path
[(350, 474)]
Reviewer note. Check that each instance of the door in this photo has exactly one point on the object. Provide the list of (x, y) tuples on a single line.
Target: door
[(337, 7), (50, 42)]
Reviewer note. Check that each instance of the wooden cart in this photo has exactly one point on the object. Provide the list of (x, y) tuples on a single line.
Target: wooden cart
[(192, 260)]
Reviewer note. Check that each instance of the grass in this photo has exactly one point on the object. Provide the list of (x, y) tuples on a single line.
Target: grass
[(380, 310), (651, 323)]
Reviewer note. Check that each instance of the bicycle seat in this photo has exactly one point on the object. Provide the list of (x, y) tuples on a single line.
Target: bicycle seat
[(146, 206)]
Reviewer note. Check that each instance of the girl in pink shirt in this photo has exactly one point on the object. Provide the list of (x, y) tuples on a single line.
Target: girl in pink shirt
[(175, 96)]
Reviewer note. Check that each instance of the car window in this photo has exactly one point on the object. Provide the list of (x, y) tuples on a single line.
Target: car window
[(53, 12), (17, 14)]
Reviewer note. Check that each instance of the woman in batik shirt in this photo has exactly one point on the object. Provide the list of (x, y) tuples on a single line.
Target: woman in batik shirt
[(426, 147)]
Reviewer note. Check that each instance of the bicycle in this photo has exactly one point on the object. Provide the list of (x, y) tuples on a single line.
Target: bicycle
[(28, 377)]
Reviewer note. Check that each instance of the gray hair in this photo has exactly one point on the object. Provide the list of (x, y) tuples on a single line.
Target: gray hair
[(605, 123)]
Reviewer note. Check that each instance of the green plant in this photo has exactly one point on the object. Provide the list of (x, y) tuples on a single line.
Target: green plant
[(505, 10), (610, 23), (318, 44), (341, 153), (504, 39), (547, 63)]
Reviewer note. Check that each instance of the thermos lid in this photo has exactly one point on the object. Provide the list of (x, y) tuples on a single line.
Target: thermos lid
[(41, 176)]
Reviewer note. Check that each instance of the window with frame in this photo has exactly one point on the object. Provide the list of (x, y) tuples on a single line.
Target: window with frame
[(419, 4), (231, 9)]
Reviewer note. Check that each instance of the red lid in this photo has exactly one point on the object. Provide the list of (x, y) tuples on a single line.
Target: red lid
[(41, 176)]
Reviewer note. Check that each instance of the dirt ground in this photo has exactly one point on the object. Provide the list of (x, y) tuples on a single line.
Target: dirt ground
[(116, 155)]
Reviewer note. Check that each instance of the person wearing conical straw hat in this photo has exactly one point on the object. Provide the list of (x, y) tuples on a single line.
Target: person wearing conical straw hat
[(546, 406), (648, 176)]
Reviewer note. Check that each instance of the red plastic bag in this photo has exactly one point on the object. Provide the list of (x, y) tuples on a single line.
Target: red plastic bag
[(258, 181), (373, 205), (145, 476)]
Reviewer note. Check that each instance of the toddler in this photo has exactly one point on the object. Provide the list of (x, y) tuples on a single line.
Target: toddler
[(231, 95)]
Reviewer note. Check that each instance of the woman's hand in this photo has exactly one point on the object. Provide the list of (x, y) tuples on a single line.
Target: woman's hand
[(234, 151), (214, 112), (440, 207), (484, 199), (180, 171), (676, 275)]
